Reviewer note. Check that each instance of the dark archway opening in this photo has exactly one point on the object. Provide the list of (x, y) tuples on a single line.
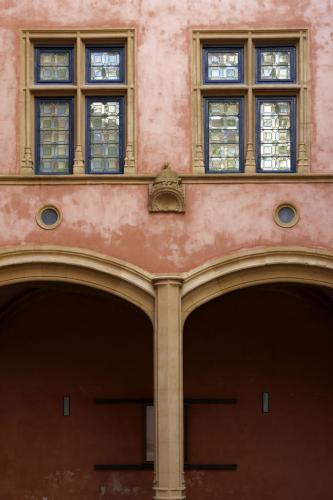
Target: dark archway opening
[(62, 340), (275, 339)]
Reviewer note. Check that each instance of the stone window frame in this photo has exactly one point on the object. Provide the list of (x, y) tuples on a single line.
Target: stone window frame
[(79, 90), (250, 89)]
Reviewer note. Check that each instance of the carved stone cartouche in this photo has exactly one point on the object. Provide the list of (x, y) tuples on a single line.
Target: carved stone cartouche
[(166, 194)]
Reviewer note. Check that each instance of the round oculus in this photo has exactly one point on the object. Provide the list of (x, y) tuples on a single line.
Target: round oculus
[(286, 215), (48, 217)]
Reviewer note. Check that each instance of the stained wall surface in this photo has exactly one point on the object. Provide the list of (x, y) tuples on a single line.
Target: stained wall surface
[(220, 219), (278, 340), (93, 347)]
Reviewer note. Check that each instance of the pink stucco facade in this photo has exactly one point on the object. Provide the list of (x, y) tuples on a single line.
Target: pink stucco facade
[(220, 218), (64, 328)]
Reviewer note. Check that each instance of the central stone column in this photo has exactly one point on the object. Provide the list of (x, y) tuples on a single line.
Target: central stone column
[(168, 370)]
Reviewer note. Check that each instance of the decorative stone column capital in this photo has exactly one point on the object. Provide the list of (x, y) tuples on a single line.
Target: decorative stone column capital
[(167, 279)]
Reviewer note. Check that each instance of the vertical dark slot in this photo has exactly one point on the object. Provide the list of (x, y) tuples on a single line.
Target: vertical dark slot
[(265, 402), (67, 406)]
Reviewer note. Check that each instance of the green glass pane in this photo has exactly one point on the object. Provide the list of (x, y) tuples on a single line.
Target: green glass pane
[(231, 136), (61, 109), (275, 65), (53, 165), (223, 65), (61, 73), (54, 66), (54, 109), (96, 123), (97, 136), (104, 164), (62, 59), (54, 136), (46, 123), (46, 59), (52, 151), (105, 150), (224, 164), (224, 135), (46, 151)]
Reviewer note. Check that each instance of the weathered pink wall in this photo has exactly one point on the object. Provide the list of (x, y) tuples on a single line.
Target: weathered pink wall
[(163, 63), (219, 219)]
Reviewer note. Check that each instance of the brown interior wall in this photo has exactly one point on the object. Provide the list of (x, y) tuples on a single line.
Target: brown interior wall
[(238, 346), (89, 347)]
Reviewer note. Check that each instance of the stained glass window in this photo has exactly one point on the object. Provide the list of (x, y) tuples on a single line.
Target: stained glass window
[(54, 65), (223, 64), (54, 131), (105, 64), (224, 142), (276, 64), (105, 134), (276, 134)]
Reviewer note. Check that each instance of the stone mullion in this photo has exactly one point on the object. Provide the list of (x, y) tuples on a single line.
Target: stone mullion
[(78, 167), (250, 162), (27, 167)]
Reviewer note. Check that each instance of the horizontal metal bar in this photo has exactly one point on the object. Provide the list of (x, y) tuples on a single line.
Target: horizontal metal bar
[(123, 401), (219, 401), (148, 466), (210, 466)]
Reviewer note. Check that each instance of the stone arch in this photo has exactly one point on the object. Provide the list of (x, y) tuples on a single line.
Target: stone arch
[(73, 265), (256, 267)]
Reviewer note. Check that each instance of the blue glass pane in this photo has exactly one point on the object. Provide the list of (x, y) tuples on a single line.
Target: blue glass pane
[(286, 215), (49, 216)]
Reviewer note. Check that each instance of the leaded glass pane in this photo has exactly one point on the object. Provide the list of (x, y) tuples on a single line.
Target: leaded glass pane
[(54, 136), (275, 65), (224, 135), (104, 136), (53, 66), (223, 65), (104, 65), (275, 135)]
